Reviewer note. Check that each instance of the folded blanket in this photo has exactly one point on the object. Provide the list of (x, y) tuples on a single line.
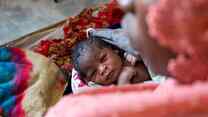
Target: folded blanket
[(29, 83)]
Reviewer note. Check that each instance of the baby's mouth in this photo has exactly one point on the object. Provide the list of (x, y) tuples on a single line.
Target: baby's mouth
[(110, 75)]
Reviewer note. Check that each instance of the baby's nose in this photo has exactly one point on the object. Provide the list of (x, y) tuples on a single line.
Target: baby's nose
[(102, 69)]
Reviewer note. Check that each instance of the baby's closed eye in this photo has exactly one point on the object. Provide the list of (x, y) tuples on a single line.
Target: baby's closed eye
[(103, 58)]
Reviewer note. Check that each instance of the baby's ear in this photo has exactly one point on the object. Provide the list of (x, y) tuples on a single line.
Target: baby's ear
[(89, 32)]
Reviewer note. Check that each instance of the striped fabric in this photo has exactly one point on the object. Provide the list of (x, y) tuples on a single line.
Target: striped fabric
[(19, 77)]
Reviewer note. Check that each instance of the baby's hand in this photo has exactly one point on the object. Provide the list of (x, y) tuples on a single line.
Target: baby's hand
[(126, 75), (130, 58)]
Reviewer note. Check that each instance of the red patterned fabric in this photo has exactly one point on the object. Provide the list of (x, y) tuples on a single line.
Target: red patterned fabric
[(74, 30)]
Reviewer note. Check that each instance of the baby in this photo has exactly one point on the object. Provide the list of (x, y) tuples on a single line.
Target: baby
[(104, 64)]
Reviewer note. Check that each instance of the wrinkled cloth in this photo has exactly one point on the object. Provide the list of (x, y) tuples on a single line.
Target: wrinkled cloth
[(117, 37), (29, 83)]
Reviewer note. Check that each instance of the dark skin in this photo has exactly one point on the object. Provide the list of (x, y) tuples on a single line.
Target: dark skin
[(105, 67)]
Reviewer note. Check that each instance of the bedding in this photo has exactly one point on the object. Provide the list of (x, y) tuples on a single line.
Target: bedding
[(29, 83)]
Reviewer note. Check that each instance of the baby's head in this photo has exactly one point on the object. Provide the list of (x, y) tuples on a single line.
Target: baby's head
[(96, 61)]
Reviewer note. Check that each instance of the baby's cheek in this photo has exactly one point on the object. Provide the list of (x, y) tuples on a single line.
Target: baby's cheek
[(117, 64), (98, 79)]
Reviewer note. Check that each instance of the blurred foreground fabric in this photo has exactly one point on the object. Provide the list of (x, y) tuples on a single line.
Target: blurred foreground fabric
[(167, 100)]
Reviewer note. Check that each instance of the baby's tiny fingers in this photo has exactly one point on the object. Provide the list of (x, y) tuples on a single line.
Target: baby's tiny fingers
[(131, 59)]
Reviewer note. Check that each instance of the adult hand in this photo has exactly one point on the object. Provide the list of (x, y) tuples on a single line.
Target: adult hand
[(154, 56)]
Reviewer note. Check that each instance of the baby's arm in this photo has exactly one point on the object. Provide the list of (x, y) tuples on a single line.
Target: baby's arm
[(126, 75), (142, 74)]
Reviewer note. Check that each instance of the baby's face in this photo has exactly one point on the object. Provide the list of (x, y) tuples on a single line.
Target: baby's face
[(101, 66)]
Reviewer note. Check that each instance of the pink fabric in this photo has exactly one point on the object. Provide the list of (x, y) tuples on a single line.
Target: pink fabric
[(181, 25), (168, 100)]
